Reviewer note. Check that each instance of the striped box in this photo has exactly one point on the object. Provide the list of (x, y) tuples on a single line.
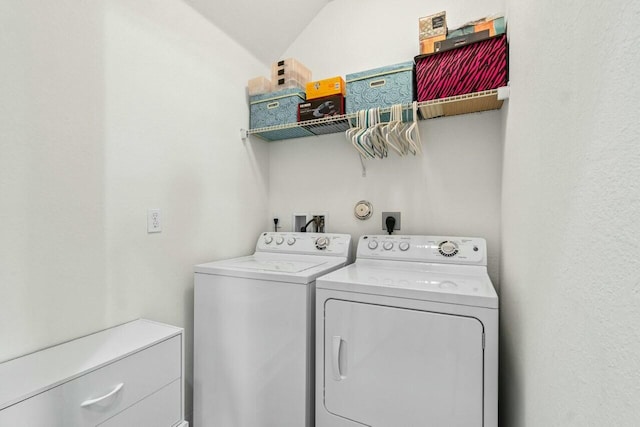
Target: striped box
[(472, 68)]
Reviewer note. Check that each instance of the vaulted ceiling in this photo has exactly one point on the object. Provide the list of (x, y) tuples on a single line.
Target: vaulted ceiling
[(265, 28)]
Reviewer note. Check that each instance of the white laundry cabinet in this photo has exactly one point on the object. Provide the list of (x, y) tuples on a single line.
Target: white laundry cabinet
[(129, 375)]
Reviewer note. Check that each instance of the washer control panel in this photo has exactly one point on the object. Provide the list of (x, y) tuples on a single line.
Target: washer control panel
[(305, 243), (434, 249)]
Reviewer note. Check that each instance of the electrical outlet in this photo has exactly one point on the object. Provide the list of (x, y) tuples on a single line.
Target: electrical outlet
[(154, 222), (395, 215)]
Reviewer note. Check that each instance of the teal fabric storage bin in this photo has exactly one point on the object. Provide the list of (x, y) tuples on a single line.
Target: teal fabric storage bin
[(380, 87), (275, 108)]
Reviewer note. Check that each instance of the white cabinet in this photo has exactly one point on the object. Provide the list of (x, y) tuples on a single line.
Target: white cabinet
[(128, 375), (155, 410)]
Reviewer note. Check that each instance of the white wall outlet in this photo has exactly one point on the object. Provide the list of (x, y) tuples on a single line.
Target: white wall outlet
[(154, 222)]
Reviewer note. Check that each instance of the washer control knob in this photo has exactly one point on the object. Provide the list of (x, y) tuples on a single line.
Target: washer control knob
[(291, 241), (280, 240), (404, 246), (268, 240), (387, 246), (322, 243), (373, 244), (448, 248)]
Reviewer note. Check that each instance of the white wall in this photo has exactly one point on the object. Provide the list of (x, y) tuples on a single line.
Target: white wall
[(571, 199), (52, 174), (108, 109), (453, 189)]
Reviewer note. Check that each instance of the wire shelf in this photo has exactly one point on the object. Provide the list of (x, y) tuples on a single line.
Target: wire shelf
[(451, 106)]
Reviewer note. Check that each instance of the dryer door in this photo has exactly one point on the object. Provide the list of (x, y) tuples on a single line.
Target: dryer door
[(388, 366)]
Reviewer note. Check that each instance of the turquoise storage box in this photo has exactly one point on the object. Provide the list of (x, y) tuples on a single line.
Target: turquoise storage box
[(380, 87), (276, 108)]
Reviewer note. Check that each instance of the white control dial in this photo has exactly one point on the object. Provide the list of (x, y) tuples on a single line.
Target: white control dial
[(291, 241), (387, 246), (448, 248), (322, 243), (268, 240), (404, 246), (280, 240), (373, 244)]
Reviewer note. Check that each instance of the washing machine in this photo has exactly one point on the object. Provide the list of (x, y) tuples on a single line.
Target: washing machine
[(254, 342), (407, 336)]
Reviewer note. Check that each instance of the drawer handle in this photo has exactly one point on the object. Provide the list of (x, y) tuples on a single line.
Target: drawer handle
[(101, 398)]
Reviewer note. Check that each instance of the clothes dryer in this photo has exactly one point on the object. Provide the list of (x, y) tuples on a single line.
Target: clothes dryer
[(408, 336), (254, 338)]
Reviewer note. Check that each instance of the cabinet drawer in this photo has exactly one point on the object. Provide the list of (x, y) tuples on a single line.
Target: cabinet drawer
[(43, 410), (140, 374), (161, 409)]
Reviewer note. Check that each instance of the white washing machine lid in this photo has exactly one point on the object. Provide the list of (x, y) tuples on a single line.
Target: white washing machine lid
[(284, 266), (279, 267), (452, 284)]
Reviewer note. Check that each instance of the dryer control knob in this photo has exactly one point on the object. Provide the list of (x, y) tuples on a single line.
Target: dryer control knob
[(291, 241), (404, 246), (280, 240), (448, 248), (322, 243), (373, 244), (388, 246), (268, 240)]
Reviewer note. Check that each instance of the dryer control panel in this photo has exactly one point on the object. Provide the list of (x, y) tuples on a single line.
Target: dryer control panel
[(328, 244), (433, 249)]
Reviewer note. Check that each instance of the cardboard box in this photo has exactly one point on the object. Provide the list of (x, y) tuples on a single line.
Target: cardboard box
[(321, 107), (433, 25), (326, 87), (495, 25), (456, 42), (428, 45)]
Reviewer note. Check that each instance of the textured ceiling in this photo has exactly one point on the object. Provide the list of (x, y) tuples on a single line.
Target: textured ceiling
[(265, 28)]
